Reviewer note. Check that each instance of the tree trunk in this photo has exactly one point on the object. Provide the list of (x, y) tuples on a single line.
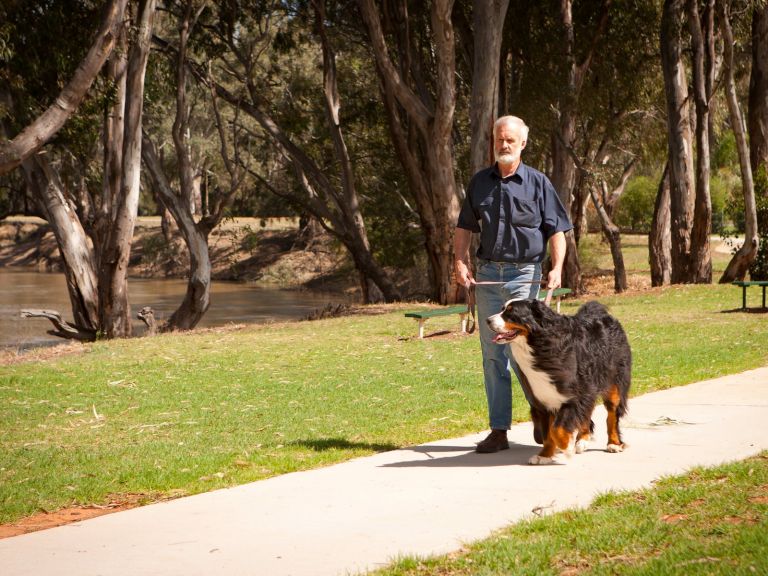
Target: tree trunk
[(758, 92), (702, 41), (660, 240), (563, 167), (613, 235), (488, 21), (679, 140), (34, 136), (197, 297), (113, 273), (739, 265), (424, 145), (74, 246), (350, 205)]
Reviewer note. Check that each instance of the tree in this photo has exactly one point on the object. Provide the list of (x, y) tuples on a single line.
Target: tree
[(757, 117), (180, 202), (114, 252), (680, 165), (336, 207), (660, 240), (420, 113), (33, 137), (745, 255), (488, 20), (703, 56)]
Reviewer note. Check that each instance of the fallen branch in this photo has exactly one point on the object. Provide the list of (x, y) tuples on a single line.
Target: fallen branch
[(63, 328)]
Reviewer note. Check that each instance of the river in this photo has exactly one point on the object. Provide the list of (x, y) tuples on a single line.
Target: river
[(231, 302)]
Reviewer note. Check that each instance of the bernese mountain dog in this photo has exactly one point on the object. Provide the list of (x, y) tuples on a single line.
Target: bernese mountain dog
[(565, 363)]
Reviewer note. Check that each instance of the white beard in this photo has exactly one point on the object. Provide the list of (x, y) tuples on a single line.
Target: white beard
[(505, 158)]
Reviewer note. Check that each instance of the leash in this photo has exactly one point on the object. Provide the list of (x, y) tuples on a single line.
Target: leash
[(471, 305)]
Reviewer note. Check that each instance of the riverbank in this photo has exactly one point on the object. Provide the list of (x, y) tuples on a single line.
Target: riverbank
[(273, 253), (269, 252)]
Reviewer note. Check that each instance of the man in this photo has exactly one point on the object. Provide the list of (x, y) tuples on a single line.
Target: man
[(516, 211)]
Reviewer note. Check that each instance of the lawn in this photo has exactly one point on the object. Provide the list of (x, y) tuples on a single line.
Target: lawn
[(707, 522), (180, 414)]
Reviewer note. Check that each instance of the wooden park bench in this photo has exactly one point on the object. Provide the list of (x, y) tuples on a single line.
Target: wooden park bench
[(744, 285), (463, 311)]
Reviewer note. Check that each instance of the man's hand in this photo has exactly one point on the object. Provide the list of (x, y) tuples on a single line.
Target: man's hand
[(463, 274), (554, 279)]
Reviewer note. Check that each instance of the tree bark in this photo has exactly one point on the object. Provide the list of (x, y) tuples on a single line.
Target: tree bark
[(34, 136), (563, 168), (613, 235), (426, 152), (702, 44), (350, 204), (660, 240), (74, 246), (488, 21), (679, 140), (113, 272), (739, 265), (758, 91)]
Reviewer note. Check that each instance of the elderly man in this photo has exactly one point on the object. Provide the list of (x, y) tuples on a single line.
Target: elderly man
[(517, 212)]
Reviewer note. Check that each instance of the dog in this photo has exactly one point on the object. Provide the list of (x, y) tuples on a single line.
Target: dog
[(565, 363)]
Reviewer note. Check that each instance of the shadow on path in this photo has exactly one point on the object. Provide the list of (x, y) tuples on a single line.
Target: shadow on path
[(465, 456)]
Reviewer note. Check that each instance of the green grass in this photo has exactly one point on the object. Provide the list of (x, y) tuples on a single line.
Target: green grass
[(709, 522), (181, 414)]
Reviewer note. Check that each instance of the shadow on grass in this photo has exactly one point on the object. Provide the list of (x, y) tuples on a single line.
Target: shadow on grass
[(746, 311), (323, 444)]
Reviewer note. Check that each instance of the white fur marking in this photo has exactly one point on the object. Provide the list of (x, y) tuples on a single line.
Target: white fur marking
[(581, 446), (536, 460), (615, 448), (541, 384)]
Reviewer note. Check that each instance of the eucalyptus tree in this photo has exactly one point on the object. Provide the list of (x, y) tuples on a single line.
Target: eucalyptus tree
[(255, 69), (418, 88), (747, 252), (15, 150), (681, 166), (94, 241), (180, 200), (584, 77), (757, 117), (758, 131)]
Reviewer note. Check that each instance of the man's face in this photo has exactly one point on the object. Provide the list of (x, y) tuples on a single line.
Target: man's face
[(508, 144)]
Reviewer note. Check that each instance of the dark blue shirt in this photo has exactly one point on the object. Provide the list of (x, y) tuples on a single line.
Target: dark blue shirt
[(515, 216)]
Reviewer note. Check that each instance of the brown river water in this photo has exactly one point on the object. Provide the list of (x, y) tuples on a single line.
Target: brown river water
[(230, 303)]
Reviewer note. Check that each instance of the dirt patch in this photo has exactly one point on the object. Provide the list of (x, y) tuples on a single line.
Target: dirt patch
[(44, 520)]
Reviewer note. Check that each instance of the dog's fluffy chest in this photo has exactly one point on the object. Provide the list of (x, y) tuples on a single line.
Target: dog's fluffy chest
[(540, 382)]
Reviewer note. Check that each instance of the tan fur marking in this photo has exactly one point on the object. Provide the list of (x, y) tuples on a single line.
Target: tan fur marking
[(612, 399)]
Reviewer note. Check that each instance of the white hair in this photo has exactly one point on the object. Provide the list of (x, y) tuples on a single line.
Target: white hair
[(518, 122)]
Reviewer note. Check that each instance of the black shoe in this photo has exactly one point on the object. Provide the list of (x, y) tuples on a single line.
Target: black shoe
[(495, 441)]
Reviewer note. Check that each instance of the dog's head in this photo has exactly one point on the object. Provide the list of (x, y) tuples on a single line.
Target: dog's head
[(518, 319)]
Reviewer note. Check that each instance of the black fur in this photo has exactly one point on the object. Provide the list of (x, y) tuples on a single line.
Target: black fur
[(585, 355)]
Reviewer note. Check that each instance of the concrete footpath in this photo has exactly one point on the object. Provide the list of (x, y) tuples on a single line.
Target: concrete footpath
[(424, 500)]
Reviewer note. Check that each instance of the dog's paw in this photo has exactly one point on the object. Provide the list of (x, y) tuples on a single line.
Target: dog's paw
[(615, 448), (581, 446), (536, 460)]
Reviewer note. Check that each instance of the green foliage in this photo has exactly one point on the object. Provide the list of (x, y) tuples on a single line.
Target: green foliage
[(635, 207)]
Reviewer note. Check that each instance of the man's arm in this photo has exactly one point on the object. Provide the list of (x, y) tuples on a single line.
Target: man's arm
[(462, 238), (557, 249)]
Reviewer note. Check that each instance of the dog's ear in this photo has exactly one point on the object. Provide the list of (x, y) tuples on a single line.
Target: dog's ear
[(541, 312)]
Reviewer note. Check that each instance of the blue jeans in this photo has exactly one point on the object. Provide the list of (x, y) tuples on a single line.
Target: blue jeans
[(496, 358)]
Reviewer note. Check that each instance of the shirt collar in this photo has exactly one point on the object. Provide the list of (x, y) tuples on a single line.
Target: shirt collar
[(519, 174)]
